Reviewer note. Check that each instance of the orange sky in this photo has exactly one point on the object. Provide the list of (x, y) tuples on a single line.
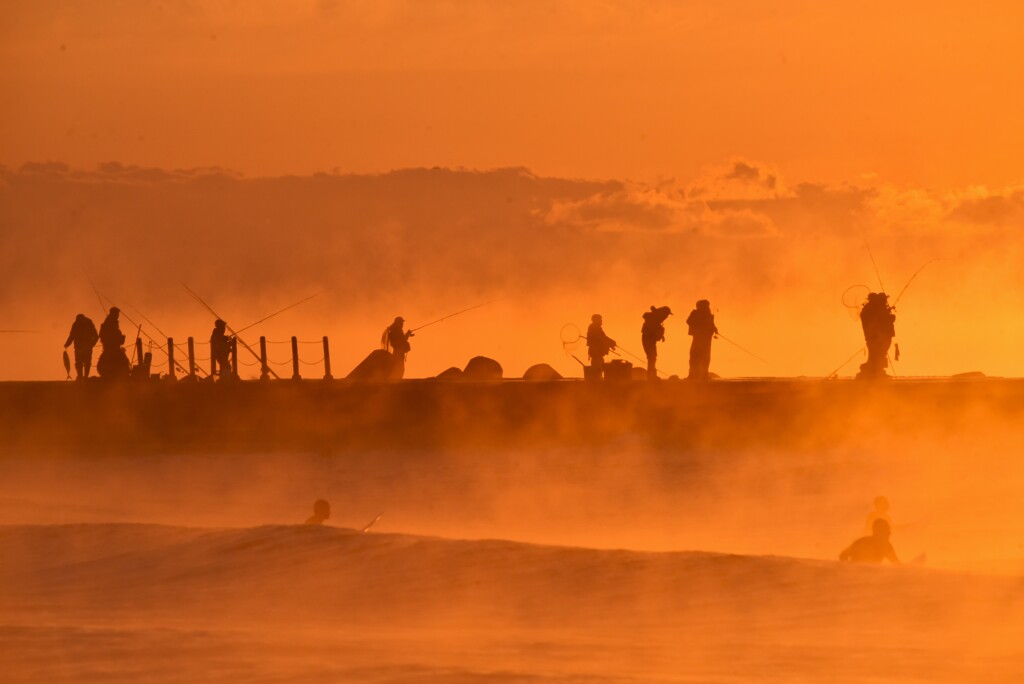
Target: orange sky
[(921, 93)]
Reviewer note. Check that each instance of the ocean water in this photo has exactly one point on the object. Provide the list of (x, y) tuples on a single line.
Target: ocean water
[(629, 559)]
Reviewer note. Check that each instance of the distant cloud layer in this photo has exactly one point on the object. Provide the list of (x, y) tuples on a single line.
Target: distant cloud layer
[(741, 234)]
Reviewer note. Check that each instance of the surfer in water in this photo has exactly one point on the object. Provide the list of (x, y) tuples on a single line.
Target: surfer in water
[(873, 549), (321, 512)]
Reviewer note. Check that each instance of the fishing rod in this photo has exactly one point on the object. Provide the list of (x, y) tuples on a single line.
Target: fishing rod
[(618, 347), (927, 264), (452, 315), (138, 334), (835, 373), (875, 265), (103, 308), (743, 349), (158, 345), (290, 306), (27, 332), (247, 347)]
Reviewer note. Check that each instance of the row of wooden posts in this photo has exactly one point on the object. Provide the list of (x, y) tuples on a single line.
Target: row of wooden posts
[(265, 371)]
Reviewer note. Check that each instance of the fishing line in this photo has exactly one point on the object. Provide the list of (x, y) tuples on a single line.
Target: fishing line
[(452, 315), (743, 349), (928, 263), (875, 265), (834, 373)]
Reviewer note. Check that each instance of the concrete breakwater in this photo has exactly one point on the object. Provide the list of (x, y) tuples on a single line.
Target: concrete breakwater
[(431, 413)]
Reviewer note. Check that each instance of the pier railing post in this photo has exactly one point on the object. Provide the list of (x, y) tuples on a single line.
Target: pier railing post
[(234, 357), (264, 368), (138, 352), (171, 371), (327, 360), (191, 359), (295, 359)]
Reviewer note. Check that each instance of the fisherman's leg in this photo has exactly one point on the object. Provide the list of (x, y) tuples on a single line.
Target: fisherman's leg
[(705, 360)]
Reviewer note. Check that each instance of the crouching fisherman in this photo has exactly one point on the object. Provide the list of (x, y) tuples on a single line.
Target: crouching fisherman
[(83, 335), (113, 363)]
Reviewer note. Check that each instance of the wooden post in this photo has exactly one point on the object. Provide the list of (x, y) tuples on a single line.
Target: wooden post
[(234, 358), (191, 359), (295, 359), (138, 351), (264, 368), (327, 360), (171, 371)]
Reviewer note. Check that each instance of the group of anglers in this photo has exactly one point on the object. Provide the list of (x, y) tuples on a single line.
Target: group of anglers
[(877, 320), (701, 327), (113, 362)]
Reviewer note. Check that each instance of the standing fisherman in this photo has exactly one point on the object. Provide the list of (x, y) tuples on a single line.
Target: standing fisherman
[(878, 321), (113, 361), (397, 342), (652, 332), (220, 351), (83, 334), (598, 344), (701, 323)]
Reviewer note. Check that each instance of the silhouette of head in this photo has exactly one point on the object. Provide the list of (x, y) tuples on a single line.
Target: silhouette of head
[(596, 318), (114, 312), (881, 528), (219, 324), (881, 504), (399, 320), (322, 509), (80, 317), (703, 304)]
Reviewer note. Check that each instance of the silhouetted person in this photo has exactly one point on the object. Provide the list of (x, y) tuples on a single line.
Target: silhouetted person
[(220, 350), (881, 512), (701, 323), (652, 332), (397, 342), (873, 549), (113, 361), (84, 336), (598, 344), (878, 321), (321, 512)]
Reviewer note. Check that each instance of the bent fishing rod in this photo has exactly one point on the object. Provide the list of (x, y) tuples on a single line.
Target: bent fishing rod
[(615, 350), (161, 347), (281, 311), (215, 314), (110, 303), (452, 315)]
